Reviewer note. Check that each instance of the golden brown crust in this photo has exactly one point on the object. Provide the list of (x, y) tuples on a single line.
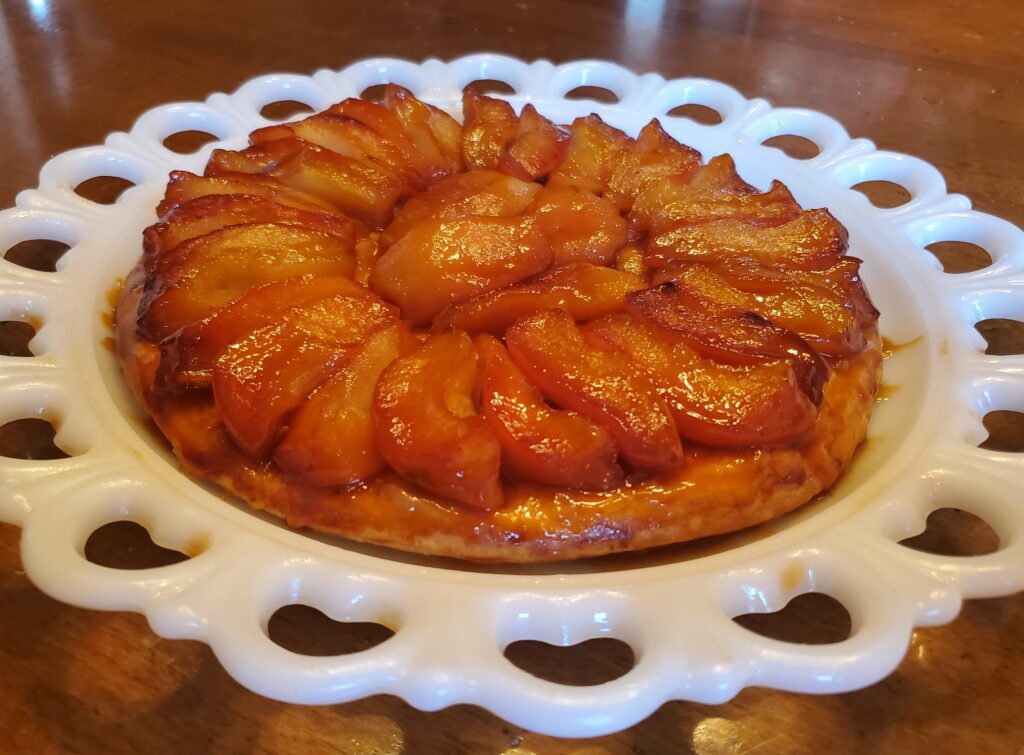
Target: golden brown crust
[(715, 491)]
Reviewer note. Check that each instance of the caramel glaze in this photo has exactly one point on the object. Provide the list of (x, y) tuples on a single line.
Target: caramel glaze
[(890, 347), (714, 491)]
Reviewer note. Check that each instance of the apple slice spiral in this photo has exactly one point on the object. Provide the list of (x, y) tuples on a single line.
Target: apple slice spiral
[(378, 293)]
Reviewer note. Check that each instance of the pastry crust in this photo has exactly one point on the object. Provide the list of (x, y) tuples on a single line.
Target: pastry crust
[(714, 492)]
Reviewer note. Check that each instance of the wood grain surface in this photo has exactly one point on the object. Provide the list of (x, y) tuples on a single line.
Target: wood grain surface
[(939, 80)]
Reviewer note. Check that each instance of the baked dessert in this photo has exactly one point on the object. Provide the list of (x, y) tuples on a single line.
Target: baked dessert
[(501, 340)]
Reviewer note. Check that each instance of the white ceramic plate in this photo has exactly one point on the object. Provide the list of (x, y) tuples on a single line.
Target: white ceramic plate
[(451, 623)]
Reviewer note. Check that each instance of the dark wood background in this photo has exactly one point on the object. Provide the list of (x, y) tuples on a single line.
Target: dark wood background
[(939, 80)]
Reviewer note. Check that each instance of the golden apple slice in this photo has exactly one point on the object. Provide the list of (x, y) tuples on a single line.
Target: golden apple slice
[(386, 125), (597, 384), (727, 334), (427, 428), (843, 278), (714, 404), (582, 290), (537, 148), (579, 225), (362, 190), (366, 191), (541, 444), (824, 318), (593, 151), (349, 138), (436, 134), (184, 186), (367, 251), (261, 379), (480, 192), (203, 274), (330, 439), (442, 262), (488, 126), (188, 358), (630, 259), (672, 203), (813, 240), (256, 159), (653, 155), (720, 175), (202, 215)]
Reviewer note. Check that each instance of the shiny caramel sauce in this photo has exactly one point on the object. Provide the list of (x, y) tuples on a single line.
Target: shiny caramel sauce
[(112, 297), (114, 293), (886, 391), (197, 545), (792, 576), (107, 316), (889, 347)]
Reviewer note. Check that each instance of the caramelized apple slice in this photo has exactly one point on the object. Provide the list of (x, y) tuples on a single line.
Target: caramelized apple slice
[(442, 262), (599, 385), (384, 123), (823, 318), (728, 335), (188, 358), (348, 138), (539, 443), (811, 241), (593, 149), (184, 186), (537, 148), (205, 273), (480, 192), (436, 134), (720, 175), (256, 159), (653, 155), (362, 190), (630, 259), (488, 125), (843, 278), (714, 404), (671, 203), (579, 226), (203, 215), (584, 291), (367, 253), (259, 380), (330, 438), (366, 191), (426, 427)]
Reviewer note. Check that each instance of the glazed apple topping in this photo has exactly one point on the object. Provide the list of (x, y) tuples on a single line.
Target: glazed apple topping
[(442, 262), (330, 438), (597, 384), (582, 290), (599, 307), (205, 273), (540, 443), (427, 427), (488, 127), (260, 379), (479, 192)]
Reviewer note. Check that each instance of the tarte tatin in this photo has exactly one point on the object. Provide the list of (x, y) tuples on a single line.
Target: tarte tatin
[(503, 340)]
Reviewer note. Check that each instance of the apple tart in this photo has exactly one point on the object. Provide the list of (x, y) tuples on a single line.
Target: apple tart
[(502, 340)]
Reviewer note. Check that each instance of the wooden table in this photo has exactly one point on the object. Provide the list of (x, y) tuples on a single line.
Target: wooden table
[(940, 80)]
